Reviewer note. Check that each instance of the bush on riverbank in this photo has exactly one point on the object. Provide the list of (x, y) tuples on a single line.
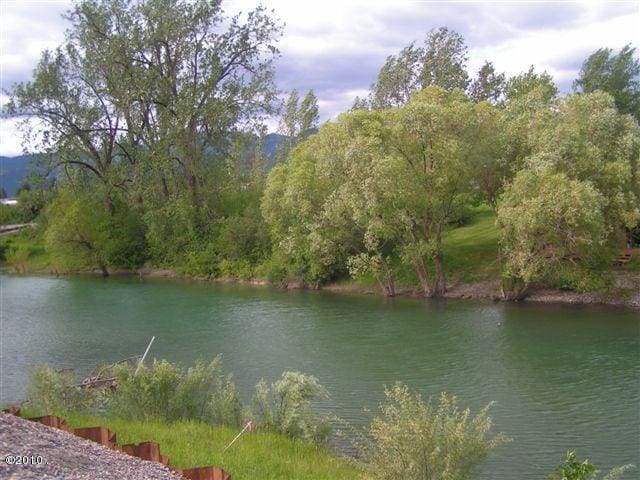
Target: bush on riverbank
[(167, 393), (411, 439), (415, 440)]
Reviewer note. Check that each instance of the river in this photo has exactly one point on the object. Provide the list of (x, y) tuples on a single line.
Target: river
[(562, 377)]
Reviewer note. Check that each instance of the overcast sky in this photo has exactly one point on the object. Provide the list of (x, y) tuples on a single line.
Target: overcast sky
[(337, 47)]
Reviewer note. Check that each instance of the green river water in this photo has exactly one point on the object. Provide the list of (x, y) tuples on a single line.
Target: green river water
[(562, 377)]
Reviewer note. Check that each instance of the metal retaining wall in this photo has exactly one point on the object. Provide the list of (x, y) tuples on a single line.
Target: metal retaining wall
[(146, 450)]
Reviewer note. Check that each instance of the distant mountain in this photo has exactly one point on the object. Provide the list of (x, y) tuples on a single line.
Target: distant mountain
[(12, 172)]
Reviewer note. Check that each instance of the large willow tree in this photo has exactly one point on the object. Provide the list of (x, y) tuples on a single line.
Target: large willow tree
[(147, 101), (173, 78)]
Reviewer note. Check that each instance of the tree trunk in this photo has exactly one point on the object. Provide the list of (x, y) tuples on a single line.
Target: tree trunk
[(423, 275), (107, 202), (439, 285), (513, 289), (390, 289), (103, 268)]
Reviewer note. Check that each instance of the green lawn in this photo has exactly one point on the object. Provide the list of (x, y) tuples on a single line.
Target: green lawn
[(471, 251), (259, 456)]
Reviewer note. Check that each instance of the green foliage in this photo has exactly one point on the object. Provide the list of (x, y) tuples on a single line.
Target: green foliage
[(286, 407), (618, 75), (526, 82), (47, 388), (51, 392), (566, 211), (573, 469), (10, 214), (81, 234), (165, 392), (297, 123), (441, 62), (551, 228), (488, 86), (415, 440)]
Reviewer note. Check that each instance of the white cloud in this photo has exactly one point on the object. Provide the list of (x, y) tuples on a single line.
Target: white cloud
[(550, 49), (10, 138)]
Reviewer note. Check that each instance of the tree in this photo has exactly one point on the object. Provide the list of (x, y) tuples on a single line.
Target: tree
[(308, 115), (151, 90), (311, 247), (417, 440), (79, 125), (618, 75), (203, 81), (488, 85), (398, 78), (80, 235), (298, 122), (365, 202), (441, 62), (551, 231), (445, 59), (432, 137), (588, 140), (493, 164), (520, 85)]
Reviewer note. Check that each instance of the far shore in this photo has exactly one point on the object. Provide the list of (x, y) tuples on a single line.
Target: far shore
[(626, 294)]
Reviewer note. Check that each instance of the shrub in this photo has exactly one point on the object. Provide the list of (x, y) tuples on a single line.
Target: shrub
[(52, 392), (414, 440), (286, 407), (573, 469), (165, 392), (162, 392)]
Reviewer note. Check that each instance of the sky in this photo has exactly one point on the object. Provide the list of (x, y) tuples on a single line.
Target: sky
[(336, 48)]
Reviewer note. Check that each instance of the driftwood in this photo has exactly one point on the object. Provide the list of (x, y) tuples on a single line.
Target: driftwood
[(103, 376)]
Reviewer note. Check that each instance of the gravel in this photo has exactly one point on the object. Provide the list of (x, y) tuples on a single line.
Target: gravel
[(66, 456)]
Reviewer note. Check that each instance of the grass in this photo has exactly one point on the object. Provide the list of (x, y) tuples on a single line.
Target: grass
[(471, 251), (25, 251), (256, 455)]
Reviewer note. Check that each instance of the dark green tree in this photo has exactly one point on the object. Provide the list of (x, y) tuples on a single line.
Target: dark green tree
[(618, 75), (445, 58), (523, 84), (488, 85), (441, 62)]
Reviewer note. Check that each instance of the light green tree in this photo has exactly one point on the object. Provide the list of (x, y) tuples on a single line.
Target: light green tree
[(588, 140), (552, 228), (417, 440), (432, 138), (299, 120)]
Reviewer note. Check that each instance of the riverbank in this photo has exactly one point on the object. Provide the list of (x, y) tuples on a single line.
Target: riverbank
[(255, 456), (625, 294)]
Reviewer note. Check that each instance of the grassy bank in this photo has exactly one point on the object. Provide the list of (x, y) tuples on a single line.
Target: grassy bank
[(255, 456), (471, 251)]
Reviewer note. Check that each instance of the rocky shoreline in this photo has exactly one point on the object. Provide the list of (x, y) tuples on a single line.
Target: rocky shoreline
[(52, 453)]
